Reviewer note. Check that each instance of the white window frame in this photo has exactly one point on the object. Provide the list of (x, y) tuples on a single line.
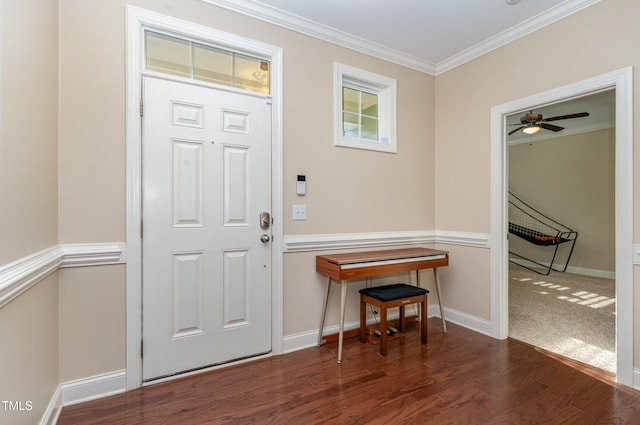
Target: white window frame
[(385, 89)]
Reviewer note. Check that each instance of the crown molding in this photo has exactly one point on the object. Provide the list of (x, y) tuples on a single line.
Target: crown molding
[(308, 27), (322, 32), (529, 26)]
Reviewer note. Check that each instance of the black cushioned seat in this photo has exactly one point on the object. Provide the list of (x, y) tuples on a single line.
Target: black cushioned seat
[(389, 296), (393, 292)]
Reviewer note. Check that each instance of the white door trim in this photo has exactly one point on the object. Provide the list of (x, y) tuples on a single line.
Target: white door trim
[(622, 82), (138, 20)]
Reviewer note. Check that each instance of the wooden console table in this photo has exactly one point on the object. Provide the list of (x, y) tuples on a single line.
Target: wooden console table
[(354, 265)]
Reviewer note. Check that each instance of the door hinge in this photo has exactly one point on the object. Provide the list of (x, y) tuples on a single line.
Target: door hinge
[(141, 226), (268, 100), (141, 348), (141, 107)]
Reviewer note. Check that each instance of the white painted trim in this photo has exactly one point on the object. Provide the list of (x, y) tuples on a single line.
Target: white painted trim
[(137, 20), (325, 242), (636, 379), (305, 26), (636, 254), (476, 240), (302, 340), (22, 274), (52, 412), (529, 26), (331, 35), (386, 89), (622, 82), (93, 387), (78, 255)]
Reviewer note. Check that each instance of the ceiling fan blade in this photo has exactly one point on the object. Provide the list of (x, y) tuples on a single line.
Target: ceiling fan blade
[(566, 117), (516, 130), (550, 127)]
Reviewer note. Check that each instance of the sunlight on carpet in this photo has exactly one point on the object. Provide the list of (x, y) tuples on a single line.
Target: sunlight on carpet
[(568, 314)]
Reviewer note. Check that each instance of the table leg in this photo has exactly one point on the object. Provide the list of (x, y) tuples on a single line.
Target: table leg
[(418, 285), (439, 293), (324, 312), (343, 300)]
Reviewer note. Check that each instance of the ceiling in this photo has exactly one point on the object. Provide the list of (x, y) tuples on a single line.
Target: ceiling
[(600, 106), (432, 36)]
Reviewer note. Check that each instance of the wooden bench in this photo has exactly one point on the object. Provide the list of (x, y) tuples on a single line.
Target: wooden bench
[(389, 296)]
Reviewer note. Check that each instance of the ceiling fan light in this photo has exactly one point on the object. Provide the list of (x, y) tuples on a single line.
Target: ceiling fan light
[(531, 129)]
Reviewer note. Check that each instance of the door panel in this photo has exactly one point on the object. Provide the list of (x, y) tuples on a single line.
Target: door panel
[(206, 274)]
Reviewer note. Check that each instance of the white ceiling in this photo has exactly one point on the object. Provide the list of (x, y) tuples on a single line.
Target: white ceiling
[(434, 36), (600, 106), (429, 35)]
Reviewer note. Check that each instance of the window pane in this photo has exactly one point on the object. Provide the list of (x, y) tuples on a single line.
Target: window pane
[(168, 55), (251, 74), (212, 65), (350, 125), (369, 128), (369, 104), (350, 100)]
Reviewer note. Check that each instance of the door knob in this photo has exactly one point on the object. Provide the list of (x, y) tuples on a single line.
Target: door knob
[(265, 238)]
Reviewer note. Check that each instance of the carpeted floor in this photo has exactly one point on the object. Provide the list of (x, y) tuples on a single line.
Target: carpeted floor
[(568, 314)]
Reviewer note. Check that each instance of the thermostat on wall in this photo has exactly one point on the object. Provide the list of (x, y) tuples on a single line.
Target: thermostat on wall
[(301, 185)]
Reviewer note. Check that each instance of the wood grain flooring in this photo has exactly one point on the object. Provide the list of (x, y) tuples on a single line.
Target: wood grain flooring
[(461, 377)]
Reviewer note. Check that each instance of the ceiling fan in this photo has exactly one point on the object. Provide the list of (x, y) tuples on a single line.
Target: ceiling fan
[(532, 123)]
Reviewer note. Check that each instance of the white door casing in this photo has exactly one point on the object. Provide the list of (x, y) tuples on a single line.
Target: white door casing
[(206, 272), (138, 20), (622, 82)]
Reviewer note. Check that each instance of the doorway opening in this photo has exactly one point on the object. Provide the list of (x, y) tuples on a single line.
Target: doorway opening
[(621, 83), (561, 215)]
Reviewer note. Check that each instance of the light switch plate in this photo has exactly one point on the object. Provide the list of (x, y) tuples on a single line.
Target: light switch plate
[(299, 212)]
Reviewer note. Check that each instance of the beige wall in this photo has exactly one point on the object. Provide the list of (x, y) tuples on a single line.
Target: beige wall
[(349, 190), (597, 40), (442, 165), (570, 179), (28, 201), (92, 321), (29, 352), (29, 128)]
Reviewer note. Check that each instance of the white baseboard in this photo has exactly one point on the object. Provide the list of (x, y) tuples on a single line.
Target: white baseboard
[(605, 274), (309, 339), (82, 390), (51, 414), (93, 387), (465, 320), (636, 379)]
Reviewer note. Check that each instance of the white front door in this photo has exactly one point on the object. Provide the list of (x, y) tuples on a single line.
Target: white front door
[(206, 265)]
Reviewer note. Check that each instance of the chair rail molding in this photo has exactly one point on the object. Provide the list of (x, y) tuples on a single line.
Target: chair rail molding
[(322, 242), (17, 277)]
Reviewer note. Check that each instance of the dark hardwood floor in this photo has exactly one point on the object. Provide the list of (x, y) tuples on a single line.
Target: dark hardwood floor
[(457, 378)]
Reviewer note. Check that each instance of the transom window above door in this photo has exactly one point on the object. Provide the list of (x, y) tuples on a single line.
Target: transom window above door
[(189, 59)]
